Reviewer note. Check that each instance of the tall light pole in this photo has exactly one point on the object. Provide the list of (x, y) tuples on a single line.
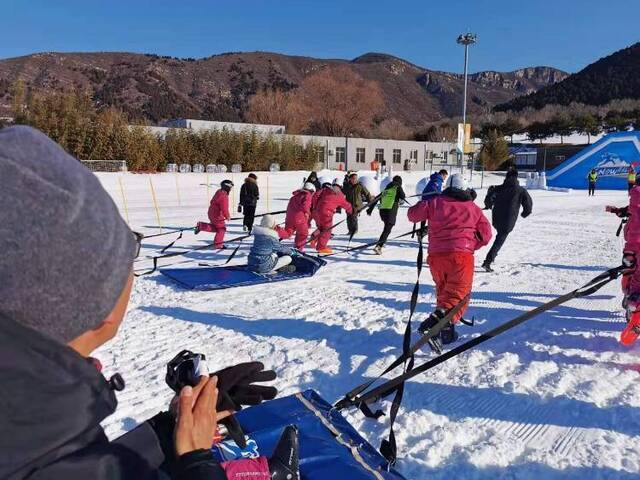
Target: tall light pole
[(466, 40)]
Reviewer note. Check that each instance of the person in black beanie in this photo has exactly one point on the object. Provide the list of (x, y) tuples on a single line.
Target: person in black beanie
[(65, 281), (249, 195), (505, 201)]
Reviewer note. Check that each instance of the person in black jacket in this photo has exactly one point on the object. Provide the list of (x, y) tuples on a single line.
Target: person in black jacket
[(249, 195), (389, 200), (53, 395), (505, 201)]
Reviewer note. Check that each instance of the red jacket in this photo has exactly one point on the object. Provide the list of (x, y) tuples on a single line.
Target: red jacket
[(632, 228), (219, 208), (454, 225), (299, 208), (327, 202)]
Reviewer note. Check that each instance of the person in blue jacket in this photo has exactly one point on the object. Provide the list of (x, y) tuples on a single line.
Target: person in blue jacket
[(267, 254), (434, 186)]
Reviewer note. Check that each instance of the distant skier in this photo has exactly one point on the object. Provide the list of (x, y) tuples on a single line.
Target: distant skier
[(505, 201), (631, 178), (435, 184), (249, 196), (457, 228), (357, 195), (267, 254), (630, 254), (592, 178), (325, 203), (389, 200), (219, 212), (299, 215)]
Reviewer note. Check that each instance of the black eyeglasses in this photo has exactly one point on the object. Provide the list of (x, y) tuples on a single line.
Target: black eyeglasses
[(139, 236)]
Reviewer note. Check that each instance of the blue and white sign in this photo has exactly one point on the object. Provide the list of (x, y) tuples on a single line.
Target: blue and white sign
[(612, 157)]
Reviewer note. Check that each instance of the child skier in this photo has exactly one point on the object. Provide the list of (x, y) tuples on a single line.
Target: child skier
[(299, 215), (631, 280), (266, 254), (325, 203), (457, 228), (249, 196), (219, 212)]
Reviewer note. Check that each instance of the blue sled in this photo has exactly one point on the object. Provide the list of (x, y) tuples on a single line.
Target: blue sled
[(217, 278), (330, 448)]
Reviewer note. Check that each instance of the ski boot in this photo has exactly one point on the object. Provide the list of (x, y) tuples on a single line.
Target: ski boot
[(196, 229), (284, 463), (434, 343), (487, 267), (325, 251), (377, 250), (631, 332), (448, 334)]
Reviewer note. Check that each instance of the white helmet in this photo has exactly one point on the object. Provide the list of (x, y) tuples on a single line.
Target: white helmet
[(309, 187), (457, 181)]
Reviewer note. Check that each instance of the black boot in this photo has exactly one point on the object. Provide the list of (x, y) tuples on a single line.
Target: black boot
[(284, 463), (487, 267), (448, 334), (434, 342)]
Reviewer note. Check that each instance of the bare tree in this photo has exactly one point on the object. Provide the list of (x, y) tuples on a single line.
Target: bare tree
[(339, 102), (392, 129), (275, 107)]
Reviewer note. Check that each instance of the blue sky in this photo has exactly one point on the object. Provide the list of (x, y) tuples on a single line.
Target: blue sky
[(567, 34)]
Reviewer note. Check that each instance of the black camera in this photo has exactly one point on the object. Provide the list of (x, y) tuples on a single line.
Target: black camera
[(184, 369)]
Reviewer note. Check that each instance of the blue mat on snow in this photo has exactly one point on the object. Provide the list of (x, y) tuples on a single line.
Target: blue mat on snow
[(330, 448), (217, 278)]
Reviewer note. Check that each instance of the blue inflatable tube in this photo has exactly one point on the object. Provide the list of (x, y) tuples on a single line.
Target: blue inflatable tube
[(330, 448)]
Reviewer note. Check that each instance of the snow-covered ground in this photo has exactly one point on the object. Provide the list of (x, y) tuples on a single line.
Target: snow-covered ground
[(557, 397)]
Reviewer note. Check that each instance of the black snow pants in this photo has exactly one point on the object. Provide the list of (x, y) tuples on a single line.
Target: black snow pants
[(592, 188), (249, 215), (495, 248), (389, 221), (352, 224)]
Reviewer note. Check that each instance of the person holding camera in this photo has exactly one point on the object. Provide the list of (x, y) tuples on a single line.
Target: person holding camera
[(64, 289)]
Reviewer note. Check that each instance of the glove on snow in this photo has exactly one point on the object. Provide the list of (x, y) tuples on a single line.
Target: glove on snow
[(236, 385)]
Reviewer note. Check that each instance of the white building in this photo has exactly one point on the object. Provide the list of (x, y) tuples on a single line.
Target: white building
[(342, 153)]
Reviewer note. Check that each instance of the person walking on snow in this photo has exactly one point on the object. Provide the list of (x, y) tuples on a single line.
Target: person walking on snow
[(219, 212), (249, 195), (457, 228), (505, 201), (267, 254), (356, 194), (299, 216), (325, 203), (389, 200), (592, 178), (434, 186)]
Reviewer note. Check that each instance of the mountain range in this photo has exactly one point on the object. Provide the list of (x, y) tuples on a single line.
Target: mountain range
[(156, 88)]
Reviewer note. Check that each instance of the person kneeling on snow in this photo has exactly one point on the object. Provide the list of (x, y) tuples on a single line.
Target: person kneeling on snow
[(324, 205), (66, 301), (267, 254), (457, 228)]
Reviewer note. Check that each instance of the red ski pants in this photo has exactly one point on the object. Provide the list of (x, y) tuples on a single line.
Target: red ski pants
[(301, 229), (453, 276), (323, 235)]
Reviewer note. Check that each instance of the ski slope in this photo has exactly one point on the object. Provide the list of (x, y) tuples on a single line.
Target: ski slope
[(557, 397)]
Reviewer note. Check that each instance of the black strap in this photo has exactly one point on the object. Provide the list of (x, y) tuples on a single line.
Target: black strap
[(164, 249), (364, 246), (591, 287), (622, 222)]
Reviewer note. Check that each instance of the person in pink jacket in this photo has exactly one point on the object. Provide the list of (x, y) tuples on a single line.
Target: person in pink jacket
[(327, 201), (630, 255), (219, 212), (298, 215), (457, 228)]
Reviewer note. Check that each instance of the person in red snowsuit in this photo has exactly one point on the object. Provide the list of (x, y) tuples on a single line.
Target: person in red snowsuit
[(298, 215), (325, 204), (219, 212), (631, 253), (457, 228)]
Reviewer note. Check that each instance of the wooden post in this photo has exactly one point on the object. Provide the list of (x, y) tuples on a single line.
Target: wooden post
[(124, 200), (155, 203)]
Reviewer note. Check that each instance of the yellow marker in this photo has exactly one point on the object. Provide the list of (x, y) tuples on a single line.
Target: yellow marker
[(155, 203), (178, 190), (124, 200)]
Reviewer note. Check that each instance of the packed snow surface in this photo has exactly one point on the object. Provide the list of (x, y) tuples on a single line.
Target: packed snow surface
[(557, 397)]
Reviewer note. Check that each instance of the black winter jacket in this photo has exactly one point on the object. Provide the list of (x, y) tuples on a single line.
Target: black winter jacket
[(505, 201), (249, 193), (52, 401)]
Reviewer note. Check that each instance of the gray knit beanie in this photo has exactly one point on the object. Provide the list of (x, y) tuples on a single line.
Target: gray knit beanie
[(65, 252)]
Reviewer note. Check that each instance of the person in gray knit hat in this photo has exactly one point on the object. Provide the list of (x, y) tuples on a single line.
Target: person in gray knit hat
[(65, 280)]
